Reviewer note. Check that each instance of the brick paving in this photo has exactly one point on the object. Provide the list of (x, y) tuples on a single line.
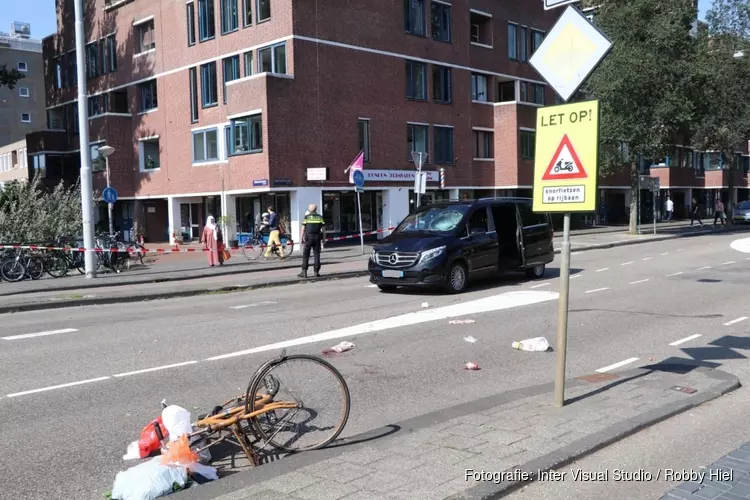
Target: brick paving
[(726, 479), (428, 457)]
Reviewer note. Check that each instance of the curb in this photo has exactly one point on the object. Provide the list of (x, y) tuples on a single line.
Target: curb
[(62, 304), (228, 487)]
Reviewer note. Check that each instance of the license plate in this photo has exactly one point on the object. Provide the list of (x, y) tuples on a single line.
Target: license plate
[(393, 274)]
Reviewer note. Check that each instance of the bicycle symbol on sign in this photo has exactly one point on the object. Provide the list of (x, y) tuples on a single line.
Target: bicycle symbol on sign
[(568, 166)]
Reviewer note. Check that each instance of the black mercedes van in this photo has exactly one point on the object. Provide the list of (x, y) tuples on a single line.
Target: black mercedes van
[(445, 244)]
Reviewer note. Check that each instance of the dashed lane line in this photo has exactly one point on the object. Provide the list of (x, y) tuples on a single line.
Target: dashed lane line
[(647, 258), (61, 386), (40, 334), (596, 290), (735, 321), (675, 274), (639, 281), (686, 339), (617, 365), (627, 263), (155, 369), (703, 268), (665, 253), (730, 262), (575, 276), (541, 285), (602, 269)]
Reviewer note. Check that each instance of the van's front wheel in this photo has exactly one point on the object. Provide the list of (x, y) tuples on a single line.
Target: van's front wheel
[(536, 272), (457, 278)]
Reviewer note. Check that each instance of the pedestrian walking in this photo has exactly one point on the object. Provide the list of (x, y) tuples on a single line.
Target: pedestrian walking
[(312, 235), (695, 213), (213, 242), (274, 236), (669, 208), (719, 211)]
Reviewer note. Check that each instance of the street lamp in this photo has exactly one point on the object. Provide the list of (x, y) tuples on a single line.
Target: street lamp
[(105, 151)]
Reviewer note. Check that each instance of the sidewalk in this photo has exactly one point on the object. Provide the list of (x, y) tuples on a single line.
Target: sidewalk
[(726, 479), (483, 449)]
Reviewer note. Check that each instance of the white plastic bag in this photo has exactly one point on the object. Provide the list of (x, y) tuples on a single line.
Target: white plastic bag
[(204, 470), (148, 481), (343, 346), (538, 344), (177, 421)]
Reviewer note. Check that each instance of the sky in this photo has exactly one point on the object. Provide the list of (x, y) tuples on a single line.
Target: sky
[(41, 14)]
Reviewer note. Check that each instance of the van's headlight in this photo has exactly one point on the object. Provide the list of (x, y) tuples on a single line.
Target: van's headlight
[(431, 254)]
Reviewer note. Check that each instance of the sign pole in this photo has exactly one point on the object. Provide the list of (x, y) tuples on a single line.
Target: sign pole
[(562, 314), (109, 205), (653, 208), (361, 235)]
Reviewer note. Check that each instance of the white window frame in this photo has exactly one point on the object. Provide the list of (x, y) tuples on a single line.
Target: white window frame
[(219, 129), (142, 155), (26, 121), (258, 20), (21, 93), (23, 66), (273, 48), (137, 28)]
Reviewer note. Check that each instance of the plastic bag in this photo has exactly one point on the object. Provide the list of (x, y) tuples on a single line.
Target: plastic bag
[(177, 421), (150, 439), (148, 481), (226, 254), (179, 453), (537, 344)]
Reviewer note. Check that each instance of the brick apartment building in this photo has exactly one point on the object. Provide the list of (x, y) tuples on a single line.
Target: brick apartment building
[(223, 107)]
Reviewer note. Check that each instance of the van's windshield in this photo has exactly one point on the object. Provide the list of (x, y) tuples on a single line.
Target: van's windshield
[(436, 220)]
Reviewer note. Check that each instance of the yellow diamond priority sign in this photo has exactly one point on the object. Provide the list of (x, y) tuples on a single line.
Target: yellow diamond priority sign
[(566, 158), (570, 52)]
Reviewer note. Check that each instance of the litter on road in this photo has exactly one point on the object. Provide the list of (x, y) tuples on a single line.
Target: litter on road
[(461, 322), (470, 339), (472, 366), (537, 344), (425, 304), (340, 347)]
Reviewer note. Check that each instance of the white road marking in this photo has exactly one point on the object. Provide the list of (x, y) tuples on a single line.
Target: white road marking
[(155, 369), (729, 323), (575, 276), (541, 285), (674, 274), (617, 365), (730, 262), (627, 263), (647, 258), (596, 290), (53, 387), (602, 269), (680, 249), (741, 245), (264, 303), (370, 286), (639, 281), (665, 253), (703, 268), (499, 302), (747, 258), (576, 253), (686, 339), (40, 334)]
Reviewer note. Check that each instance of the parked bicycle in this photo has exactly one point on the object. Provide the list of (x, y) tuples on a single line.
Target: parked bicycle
[(258, 243), (17, 265)]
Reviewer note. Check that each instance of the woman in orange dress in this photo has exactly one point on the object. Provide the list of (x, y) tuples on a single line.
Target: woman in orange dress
[(213, 242)]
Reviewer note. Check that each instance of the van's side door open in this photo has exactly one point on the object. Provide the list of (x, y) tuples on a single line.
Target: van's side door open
[(509, 251), (481, 241), (537, 235)]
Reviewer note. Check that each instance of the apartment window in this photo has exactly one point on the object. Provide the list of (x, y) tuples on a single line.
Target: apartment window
[(109, 49), (144, 36), (148, 96), (506, 91), (523, 43), (537, 37), (363, 129), (479, 88), (117, 102), (512, 42), (528, 139), (72, 68), (523, 91), (97, 105), (148, 152), (92, 60), (441, 84), (193, 77), (22, 66), (416, 80), (205, 146), (414, 17), (264, 10), (246, 135), (206, 22), (272, 59), (248, 63), (559, 100), (443, 144), (25, 117), (538, 93), (24, 92), (482, 144), (208, 84), (416, 138), (190, 23), (481, 28), (231, 67), (441, 21), (247, 13), (229, 21), (58, 72)]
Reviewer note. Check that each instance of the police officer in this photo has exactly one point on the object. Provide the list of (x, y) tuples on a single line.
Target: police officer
[(312, 234)]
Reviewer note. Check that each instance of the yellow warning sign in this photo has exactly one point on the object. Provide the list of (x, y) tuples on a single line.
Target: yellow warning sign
[(566, 158)]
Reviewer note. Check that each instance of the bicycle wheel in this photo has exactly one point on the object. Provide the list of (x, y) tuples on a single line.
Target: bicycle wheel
[(79, 262), (34, 267), (56, 264), (12, 270), (253, 249), (138, 252), (288, 244), (322, 399)]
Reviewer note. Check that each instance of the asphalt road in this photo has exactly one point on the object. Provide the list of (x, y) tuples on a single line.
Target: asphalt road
[(626, 303)]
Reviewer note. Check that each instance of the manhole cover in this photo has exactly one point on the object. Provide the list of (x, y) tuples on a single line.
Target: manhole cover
[(686, 390), (598, 377)]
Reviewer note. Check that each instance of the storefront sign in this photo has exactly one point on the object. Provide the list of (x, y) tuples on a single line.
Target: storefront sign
[(282, 182), (399, 175), (260, 182), (317, 174)]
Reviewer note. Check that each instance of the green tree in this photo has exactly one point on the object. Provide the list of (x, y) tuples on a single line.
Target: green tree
[(723, 73), (9, 77), (645, 85)]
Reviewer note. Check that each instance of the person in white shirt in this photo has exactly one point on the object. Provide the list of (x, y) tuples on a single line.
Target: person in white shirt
[(669, 208)]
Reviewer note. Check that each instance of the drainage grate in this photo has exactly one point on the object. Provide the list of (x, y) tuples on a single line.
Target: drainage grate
[(598, 377), (686, 390)]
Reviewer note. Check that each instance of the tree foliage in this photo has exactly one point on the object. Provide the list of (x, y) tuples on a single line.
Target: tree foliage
[(9, 77), (30, 214)]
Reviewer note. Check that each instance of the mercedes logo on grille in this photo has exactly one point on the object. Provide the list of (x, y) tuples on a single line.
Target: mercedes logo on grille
[(393, 258)]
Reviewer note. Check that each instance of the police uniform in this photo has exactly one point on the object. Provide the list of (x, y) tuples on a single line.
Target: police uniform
[(313, 225)]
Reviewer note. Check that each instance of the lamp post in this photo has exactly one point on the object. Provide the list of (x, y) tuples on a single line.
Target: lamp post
[(105, 151)]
